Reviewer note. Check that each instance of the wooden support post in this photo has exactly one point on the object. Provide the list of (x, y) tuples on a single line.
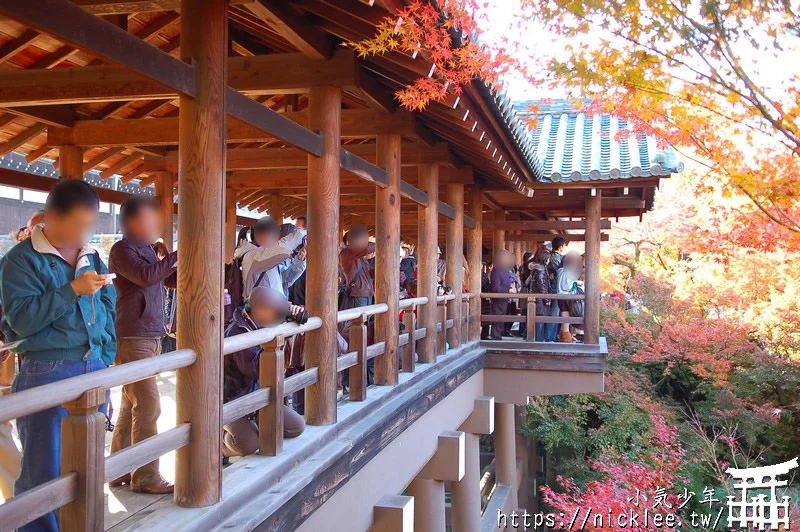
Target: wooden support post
[(505, 453), (270, 418), (277, 210), (394, 513), (591, 314), (427, 244), (499, 235), (387, 258), (164, 191), (322, 277), (446, 464), (441, 337), (429, 509), (474, 259), (198, 467), (530, 324), (410, 325), (70, 162), (82, 444), (358, 373), (230, 224), (465, 321), (466, 494), (454, 277)]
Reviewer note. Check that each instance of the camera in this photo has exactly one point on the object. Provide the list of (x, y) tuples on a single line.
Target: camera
[(300, 318)]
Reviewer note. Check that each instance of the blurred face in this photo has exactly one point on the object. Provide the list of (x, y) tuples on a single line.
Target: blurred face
[(267, 238), (146, 225), (265, 316), (70, 230), (358, 242)]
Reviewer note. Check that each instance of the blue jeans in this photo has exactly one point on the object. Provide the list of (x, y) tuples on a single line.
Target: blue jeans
[(40, 433)]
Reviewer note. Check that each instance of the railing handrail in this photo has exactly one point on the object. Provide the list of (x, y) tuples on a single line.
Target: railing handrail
[(356, 312), (247, 340), (467, 295), (448, 297), (26, 402), (411, 301), (528, 295)]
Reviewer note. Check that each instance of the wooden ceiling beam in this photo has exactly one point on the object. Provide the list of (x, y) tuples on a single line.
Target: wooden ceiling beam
[(293, 27), (124, 7), (541, 225), (546, 237)]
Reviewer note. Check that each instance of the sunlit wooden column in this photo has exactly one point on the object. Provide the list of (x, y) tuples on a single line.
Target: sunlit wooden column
[(277, 211), (475, 259), (165, 183), (322, 274), (466, 493), (70, 162), (499, 235), (428, 242), (387, 258), (591, 315), (455, 261), (505, 452), (230, 223), (198, 468)]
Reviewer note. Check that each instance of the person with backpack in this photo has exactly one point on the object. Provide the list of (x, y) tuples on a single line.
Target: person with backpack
[(276, 262), (141, 325), (58, 304), (567, 283), (354, 259)]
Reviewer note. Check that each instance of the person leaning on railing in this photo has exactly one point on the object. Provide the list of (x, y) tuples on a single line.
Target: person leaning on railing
[(567, 283), (501, 281), (141, 278), (538, 282), (267, 307), (58, 303)]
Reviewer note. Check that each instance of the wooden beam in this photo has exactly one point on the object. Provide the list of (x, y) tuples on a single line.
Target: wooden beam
[(257, 75), (16, 45), (322, 279), (427, 245), (70, 162), (22, 138), (542, 225), (47, 114), (299, 31), (387, 260), (547, 237), (71, 24), (198, 467), (121, 7)]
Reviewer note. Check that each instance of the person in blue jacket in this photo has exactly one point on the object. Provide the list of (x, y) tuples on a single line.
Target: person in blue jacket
[(58, 308)]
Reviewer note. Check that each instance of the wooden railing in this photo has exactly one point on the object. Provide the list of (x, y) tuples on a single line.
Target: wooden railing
[(78, 491), (530, 319)]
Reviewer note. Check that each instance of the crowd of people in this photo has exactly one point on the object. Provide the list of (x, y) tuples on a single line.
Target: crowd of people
[(551, 269), (66, 313)]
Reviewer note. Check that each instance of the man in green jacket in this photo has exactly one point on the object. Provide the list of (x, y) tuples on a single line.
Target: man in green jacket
[(58, 310)]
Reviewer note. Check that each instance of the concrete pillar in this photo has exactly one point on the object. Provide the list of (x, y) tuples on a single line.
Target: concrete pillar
[(505, 450)]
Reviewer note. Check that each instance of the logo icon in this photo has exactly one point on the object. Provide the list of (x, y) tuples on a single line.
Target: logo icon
[(756, 511)]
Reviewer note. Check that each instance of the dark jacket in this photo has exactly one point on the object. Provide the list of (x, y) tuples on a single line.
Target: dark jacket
[(42, 311), (358, 271), (539, 283), (140, 282)]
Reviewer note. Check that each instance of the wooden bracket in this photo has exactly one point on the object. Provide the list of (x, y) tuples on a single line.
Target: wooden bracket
[(270, 417), (447, 463), (481, 420), (394, 513)]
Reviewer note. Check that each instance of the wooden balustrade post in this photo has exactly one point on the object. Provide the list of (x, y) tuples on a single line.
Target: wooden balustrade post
[(82, 445), (441, 337), (410, 325), (387, 258), (427, 244), (454, 275), (358, 373), (464, 321), (475, 260), (70, 162), (591, 314), (270, 418), (322, 275), (165, 184), (201, 148), (530, 324)]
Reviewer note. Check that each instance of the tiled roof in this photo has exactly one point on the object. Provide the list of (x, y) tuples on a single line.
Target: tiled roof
[(573, 146)]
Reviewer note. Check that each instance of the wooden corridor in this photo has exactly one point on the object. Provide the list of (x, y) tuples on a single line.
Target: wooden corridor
[(257, 104)]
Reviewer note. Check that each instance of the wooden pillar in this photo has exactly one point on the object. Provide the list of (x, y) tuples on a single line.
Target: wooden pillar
[(591, 315), (505, 452), (429, 510), (466, 493), (454, 276), (499, 235), (164, 191), (82, 443), (70, 162), (475, 258), (428, 241), (230, 223), (387, 258), (198, 468), (518, 251), (322, 277), (277, 210)]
